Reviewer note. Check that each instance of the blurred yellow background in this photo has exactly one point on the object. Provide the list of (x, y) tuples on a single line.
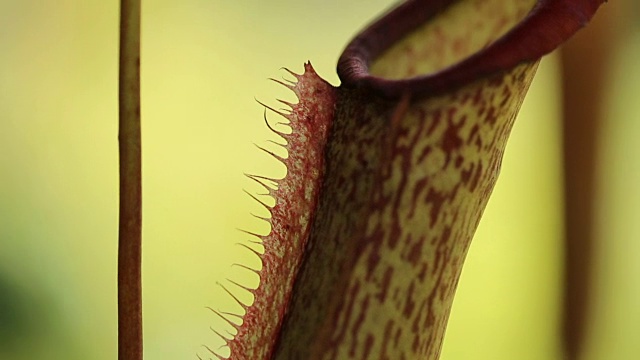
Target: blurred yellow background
[(203, 64)]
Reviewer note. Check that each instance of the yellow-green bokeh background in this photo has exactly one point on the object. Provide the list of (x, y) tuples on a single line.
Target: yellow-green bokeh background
[(203, 63)]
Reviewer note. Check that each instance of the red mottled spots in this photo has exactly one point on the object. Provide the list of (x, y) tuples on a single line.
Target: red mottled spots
[(415, 252), (409, 304), (436, 200), (369, 180), (434, 119), (414, 218), (452, 140), (368, 345), (296, 200), (386, 339), (384, 285)]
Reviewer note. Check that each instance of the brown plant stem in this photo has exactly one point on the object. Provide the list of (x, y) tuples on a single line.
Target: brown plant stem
[(130, 226), (585, 62)]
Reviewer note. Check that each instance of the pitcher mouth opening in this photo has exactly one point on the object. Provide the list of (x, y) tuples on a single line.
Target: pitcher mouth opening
[(537, 27)]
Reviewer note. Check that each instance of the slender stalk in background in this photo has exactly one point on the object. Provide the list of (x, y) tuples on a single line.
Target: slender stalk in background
[(130, 227), (586, 60)]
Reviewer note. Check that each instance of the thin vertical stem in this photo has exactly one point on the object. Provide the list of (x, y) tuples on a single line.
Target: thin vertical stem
[(585, 59), (130, 227)]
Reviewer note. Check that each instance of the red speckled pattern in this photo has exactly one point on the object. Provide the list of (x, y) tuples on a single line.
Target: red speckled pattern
[(387, 181), (404, 191), (296, 199)]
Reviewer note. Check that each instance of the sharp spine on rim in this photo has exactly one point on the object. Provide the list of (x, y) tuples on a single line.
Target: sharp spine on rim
[(241, 286), (261, 217), (284, 115), (250, 249), (257, 272), (281, 159), (289, 86), (251, 233), (258, 200), (213, 352), (243, 305), (266, 121), (225, 338), (296, 193), (233, 325)]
